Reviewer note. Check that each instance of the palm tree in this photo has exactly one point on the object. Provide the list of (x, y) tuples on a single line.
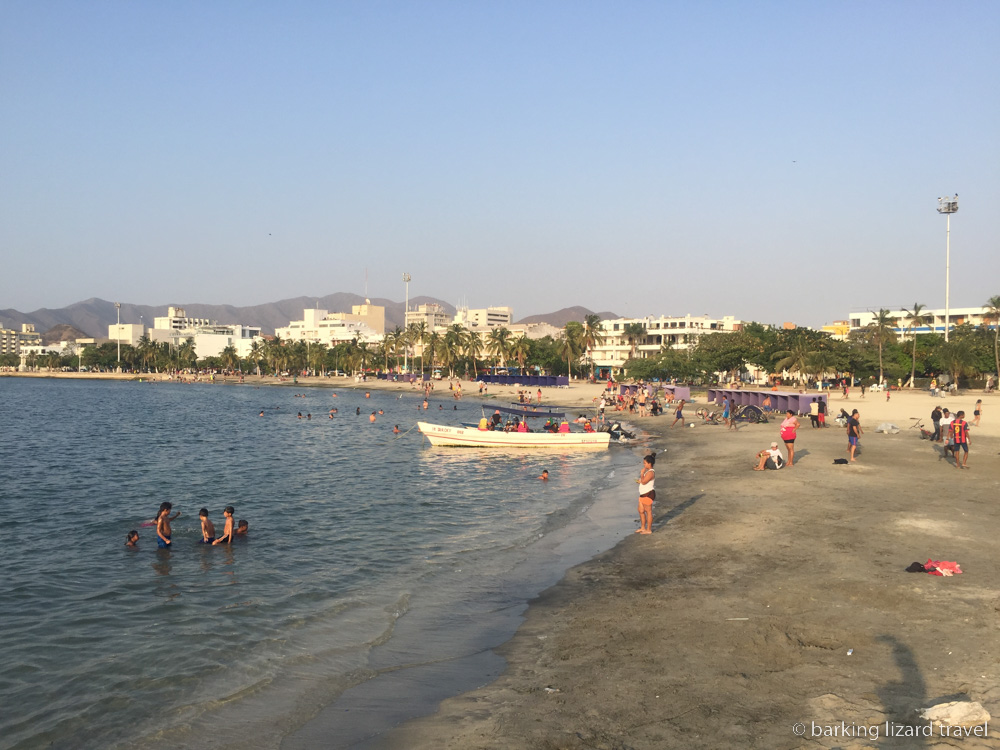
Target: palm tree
[(797, 359), (316, 357), (633, 332), (418, 333), (593, 336), (186, 355), (520, 348), (433, 343), (958, 358), (992, 315), (229, 358), (256, 352), (880, 331), (820, 362), (497, 344), (473, 349), (915, 318), (455, 339), (569, 345)]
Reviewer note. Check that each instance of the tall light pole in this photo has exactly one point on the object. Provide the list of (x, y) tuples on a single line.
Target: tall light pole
[(947, 206), (406, 309), (118, 333)]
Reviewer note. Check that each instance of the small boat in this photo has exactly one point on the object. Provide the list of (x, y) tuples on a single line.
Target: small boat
[(473, 437)]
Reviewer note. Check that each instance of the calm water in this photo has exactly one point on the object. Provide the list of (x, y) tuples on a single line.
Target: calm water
[(366, 554)]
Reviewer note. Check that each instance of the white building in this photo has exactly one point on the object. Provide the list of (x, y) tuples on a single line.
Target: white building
[(126, 333), (209, 337), (319, 326), (177, 319), (210, 340), (956, 316), (432, 315), (671, 332), (484, 317)]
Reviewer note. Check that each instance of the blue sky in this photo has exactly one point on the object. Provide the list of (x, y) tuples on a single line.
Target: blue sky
[(774, 161)]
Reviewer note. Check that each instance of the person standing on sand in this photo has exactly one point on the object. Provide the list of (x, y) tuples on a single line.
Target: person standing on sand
[(853, 433), (978, 412), (789, 426), (647, 494), (936, 421), (814, 412), (960, 434), (822, 412), (679, 414)]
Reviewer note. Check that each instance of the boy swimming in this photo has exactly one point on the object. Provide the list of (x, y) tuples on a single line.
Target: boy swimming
[(132, 539), (242, 528)]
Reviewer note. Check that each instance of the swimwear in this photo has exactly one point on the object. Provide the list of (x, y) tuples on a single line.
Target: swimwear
[(852, 440), (160, 543), (206, 541)]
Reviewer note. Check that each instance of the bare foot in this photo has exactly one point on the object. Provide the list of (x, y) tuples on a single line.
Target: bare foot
[(638, 531), (644, 531)]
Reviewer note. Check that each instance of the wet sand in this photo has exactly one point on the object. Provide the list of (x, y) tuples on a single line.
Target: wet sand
[(764, 600)]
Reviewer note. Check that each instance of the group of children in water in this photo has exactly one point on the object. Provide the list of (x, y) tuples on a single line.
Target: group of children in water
[(163, 530)]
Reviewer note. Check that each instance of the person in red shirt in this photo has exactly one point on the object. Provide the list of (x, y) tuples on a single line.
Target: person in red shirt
[(960, 433)]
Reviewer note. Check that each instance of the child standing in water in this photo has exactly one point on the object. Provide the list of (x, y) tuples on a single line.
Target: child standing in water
[(227, 532), (163, 519), (207, 528)]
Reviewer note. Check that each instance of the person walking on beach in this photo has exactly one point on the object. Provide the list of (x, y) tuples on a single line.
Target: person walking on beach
[(822, 412), (853, 433), (679, 414), (725, 410), (936, 421), (814, 412), (978, 412), (163, 519), (789, 427), (960, 435), (647, 494)]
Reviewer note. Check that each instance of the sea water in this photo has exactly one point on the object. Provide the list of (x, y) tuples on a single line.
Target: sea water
[(376, 576)]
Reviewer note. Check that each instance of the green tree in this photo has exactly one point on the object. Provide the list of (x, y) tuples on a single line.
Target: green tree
[(992, 315), (593, 336), (633, 332), (880, 331), (570, 346), (498, 344), (915, 318)]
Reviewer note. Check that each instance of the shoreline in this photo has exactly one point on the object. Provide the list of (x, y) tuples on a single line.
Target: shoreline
[(761, 601)]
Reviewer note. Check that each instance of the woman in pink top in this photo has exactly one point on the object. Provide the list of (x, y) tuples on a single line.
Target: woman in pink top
[(788, 427)]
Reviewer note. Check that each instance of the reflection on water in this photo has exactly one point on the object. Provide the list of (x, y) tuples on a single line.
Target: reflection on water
[(348, 524)]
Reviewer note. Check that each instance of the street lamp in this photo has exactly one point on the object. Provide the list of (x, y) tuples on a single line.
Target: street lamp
[(118, 333), (406, 309), (947, 206)]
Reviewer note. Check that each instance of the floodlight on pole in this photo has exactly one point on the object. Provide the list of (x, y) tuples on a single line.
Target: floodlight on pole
[(406, 309), (118, 332), (947, 206)]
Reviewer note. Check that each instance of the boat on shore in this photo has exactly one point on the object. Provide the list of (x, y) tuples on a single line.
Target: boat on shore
[(473, 437)]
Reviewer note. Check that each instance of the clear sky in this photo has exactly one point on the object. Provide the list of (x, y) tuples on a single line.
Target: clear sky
[(769, 160)]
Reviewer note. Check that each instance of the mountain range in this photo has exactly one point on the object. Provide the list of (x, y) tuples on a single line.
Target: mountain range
[(92, 317)]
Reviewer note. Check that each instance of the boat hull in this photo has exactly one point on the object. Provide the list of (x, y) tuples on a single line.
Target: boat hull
[(471, 437)]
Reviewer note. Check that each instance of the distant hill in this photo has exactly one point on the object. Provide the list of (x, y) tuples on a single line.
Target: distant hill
[(560, 318), (63, 332), (92, 317)]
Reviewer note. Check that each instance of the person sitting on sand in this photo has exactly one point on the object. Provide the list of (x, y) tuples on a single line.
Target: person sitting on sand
[(770, 458), (132, 539), (242, 528)]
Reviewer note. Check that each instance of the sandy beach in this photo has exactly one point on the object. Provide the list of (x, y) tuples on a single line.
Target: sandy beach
[(764, 603)]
